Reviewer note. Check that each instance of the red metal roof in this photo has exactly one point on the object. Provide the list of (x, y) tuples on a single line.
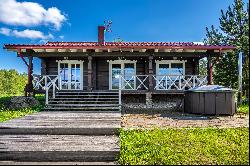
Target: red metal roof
[(129, 45)]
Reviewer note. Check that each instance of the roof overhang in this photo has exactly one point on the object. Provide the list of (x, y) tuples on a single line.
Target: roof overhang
[(59, 47)]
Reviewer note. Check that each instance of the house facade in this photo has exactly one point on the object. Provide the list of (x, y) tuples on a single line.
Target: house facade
[(142, 72)]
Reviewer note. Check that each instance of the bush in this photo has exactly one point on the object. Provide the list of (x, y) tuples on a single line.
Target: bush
[(244, 109), (7, 114)]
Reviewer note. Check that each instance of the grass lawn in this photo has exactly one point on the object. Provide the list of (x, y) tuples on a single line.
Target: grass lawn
[(185, 146), (7, 114)]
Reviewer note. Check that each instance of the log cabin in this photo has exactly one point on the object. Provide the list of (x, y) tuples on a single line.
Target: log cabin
[(113, 75)]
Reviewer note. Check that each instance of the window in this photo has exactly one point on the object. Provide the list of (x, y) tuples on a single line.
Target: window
[(167, 70), (170, 67)]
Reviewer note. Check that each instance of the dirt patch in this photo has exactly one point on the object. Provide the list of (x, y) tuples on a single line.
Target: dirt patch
[(180, 120)]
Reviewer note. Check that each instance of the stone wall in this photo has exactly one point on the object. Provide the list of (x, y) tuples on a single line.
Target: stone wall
[(151, 103)]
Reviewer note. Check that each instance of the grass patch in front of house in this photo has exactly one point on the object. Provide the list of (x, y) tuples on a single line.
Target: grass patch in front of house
[(243, 109), (7, 114), (184, 146)]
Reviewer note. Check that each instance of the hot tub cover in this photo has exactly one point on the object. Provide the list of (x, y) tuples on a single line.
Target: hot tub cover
[(211, 88)]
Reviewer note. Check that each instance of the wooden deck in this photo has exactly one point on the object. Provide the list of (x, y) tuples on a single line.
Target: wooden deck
[(62, 137)]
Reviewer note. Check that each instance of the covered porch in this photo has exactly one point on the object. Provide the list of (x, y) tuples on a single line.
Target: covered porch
[(131, 67)]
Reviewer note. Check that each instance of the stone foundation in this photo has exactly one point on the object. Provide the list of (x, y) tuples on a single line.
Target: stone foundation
[(152, 103)]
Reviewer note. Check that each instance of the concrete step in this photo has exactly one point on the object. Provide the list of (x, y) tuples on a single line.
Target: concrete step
[(59, 148)]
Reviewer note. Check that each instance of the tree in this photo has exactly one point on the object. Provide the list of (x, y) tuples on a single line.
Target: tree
[(12, 83), (233, 30)]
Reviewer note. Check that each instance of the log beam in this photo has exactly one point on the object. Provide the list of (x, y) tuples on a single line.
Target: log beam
[(150, 73), (209, 68), (29, 87), (90, 72)]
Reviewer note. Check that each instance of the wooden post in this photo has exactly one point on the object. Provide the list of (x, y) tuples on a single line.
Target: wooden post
[(209, 70), (90, 72), (43, 67), (150, 73), (29, 86), (94, 73)]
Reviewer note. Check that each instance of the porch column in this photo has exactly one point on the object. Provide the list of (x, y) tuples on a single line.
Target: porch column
[(43, 67), (209, 69), (150, 73), (29, 86), (90, 72)]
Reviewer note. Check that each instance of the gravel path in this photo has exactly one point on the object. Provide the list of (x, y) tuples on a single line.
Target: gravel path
[(179, 120)]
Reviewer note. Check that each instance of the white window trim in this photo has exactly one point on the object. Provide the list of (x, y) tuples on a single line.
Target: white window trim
[(169, 62), (69, 62), (121, 62)]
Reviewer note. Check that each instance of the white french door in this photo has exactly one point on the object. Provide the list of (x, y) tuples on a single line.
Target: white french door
[(70, 75), (125, 68)]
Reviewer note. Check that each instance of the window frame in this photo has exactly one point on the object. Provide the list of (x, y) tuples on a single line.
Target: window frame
[(169, 62)]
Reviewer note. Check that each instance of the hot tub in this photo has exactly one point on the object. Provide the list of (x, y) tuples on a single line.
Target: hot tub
[(210, 100)]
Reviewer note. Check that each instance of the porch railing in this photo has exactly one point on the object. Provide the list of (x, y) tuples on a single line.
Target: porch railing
[(46, 82), (133, 82), (178, 82), (162, 82)]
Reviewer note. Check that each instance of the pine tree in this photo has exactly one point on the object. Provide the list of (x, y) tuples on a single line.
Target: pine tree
[(233, 30)]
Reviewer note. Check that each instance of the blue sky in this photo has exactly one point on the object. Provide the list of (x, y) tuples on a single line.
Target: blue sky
[(77, 20)]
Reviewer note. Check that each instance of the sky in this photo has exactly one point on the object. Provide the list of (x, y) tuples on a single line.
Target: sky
[(39, 21)]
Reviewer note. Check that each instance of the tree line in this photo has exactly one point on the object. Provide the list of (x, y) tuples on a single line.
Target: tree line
[(12, 83)]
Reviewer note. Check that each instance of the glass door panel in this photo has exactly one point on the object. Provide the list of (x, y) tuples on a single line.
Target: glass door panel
[(64, 75), (163, 71), (116, 71), (129, 75), (127, 71), (177, 69), (75, 76)]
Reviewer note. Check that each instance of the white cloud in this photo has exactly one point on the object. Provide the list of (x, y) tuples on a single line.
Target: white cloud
[(29, 14), (5, 31), (27, 33), (61, 37), (31, 34)]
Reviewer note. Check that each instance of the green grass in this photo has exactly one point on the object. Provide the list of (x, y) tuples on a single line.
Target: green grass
[(184, 146), (7, 114)]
